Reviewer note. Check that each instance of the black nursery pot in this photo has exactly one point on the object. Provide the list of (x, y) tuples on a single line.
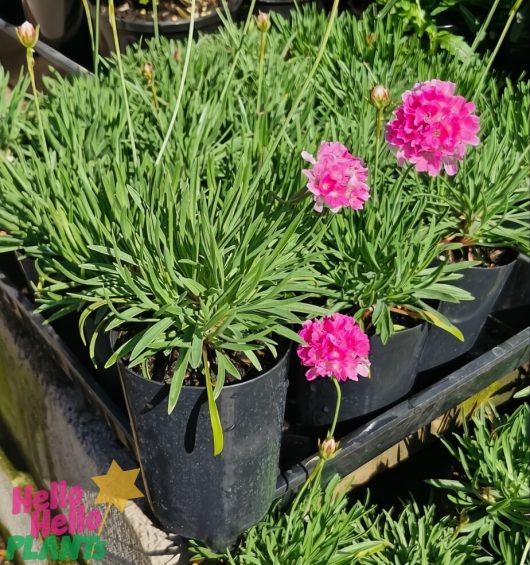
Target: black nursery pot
[(130, 32), (109, 379), (282, 7), (393, 371), (29, 272), (485, 284), (192, 492)]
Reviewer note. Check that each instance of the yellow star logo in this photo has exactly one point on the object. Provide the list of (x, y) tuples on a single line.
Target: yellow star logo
[(117, 486)]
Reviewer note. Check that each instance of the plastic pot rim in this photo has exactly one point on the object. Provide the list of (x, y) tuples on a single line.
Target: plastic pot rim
[(166, 28)]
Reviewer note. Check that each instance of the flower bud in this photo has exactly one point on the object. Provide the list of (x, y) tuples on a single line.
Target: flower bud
[(380, 97), (27, 34), (263, 22), (147, 72), (177, 55), (328, 448)]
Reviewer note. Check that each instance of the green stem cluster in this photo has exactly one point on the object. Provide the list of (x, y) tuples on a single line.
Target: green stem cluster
[(378, 137)]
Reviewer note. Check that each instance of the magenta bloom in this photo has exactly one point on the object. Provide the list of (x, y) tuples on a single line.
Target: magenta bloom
[(433, 127), (337, 179), (336, 347)]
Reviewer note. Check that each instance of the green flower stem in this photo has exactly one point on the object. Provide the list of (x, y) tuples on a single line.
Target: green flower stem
[(217, 429), (337, 407), (261, 67), (313, 479), (484, 27), (238, 52), (155, 20), (112, 19), (89, 23), (96, 39), (154, 95), (181, 87), (301, 94), (262, 51), (31, 71), (378, 136), (507, 25)]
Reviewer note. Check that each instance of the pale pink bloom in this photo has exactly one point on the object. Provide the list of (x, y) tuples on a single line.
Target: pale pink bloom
[(334, 347), (433, 127), (27, 34), (337, 178)]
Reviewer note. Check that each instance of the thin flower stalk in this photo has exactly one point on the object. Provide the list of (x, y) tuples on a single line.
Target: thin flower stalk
[(96, 39), (500, 41), (298, 99), (89, 24), (112, 19), (155, 20), (263, 24), (484, 27), (181, 86), (28, 37)]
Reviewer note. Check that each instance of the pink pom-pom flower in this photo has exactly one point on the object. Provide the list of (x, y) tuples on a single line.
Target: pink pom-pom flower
[(433, 127), (335, 346), (337, 178)]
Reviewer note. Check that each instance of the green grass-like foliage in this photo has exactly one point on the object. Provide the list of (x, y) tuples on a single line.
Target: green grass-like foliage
[(10, 109), (494, 496), (210, 252), (487, 520), (417, 536)]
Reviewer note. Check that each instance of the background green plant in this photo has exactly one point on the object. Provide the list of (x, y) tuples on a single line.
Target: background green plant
[(484, 520), (494, 495), (11, 106)]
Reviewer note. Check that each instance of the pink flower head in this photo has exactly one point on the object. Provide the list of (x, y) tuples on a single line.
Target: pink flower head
[(433, 127), (335, 347), (337, 179)]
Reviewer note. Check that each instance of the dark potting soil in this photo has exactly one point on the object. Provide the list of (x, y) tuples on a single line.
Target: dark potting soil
[(400, 321), (167, 10), (161, 366), (489, 256)]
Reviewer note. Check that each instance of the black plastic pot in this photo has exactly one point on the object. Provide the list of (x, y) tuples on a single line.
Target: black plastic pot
[(469, 316), (109, 379), (29, 272), (282, 7), (59, 20), (130, 32), (192, 492), (393, 372)]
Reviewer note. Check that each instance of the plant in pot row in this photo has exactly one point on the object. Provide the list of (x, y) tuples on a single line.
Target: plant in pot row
[(484, 206), (204, 263)]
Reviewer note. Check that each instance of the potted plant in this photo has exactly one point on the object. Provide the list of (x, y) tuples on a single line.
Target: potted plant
[(374, 43), (379, 267), (200, 272), (487, 203)]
